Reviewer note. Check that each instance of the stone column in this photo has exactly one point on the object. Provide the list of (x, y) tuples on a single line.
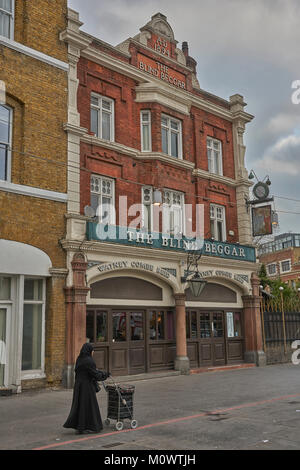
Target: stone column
[(76, 316), (252, 324), (182, 362)]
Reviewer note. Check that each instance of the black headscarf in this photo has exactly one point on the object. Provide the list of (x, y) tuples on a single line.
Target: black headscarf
[(85, 353)]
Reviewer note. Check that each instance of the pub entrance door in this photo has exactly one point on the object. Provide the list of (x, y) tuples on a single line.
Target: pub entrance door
[(206, 338), (212, 340), (127, 348)]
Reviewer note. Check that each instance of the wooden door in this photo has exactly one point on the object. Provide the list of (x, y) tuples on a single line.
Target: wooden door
[(212, 338)]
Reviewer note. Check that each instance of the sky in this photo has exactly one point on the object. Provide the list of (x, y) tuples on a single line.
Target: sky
[(250, 47)]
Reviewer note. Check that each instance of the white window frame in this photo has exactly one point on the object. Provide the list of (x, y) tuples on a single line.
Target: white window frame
[(99, 108), (169, 134), (283, 261), (35, 373), (168, 208), (146, 124), (146, 207), (215, 220), (112, 220), (12, 19), (8, 144), (272, 264), (211, 161)]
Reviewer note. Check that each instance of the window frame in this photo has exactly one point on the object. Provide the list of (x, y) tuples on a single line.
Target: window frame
[(275, 272), (165, 206), (100, 111), (215, 219), (142, 125), (11, 21), (169, 135), (284, 261), (8, 144), (35, 373), (211, 168), (112, 181)]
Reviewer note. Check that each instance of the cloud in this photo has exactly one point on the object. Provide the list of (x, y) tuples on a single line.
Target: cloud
[(283, 157)]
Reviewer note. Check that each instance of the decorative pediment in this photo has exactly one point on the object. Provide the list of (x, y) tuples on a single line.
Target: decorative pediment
[(159, 26)]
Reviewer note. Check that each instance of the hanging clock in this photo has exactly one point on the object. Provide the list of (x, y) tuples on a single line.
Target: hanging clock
[(261, 190)]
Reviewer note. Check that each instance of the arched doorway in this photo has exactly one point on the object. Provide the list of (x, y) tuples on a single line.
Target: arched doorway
[(131, 322)]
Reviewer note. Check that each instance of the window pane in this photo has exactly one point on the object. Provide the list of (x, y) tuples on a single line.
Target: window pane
[(94, 101), (170, 325), (33, 289), (6, 5), (218, 325), (106, 126), (146, 137), (164, 121), (4, 124), (3, 162), (160, 326), (5, 25), (136, 326), (174, 125), (106, 210), (194, 324), (2, 344), (119, 326), (145, 117), (220, 231), (5, 286), (152, 325), (32, 337), (106, 105), (204, 325), (95, 202), (174, 145), (164, 140), (101, 327), (90, 326), (94, 122), (216, 162), (237, 325)]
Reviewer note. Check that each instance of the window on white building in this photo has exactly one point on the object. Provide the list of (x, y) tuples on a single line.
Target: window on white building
[(217, 222), (7, 18), (33, 325), (102, 117), (272, 269), (171, 135), (214, 156), (173, 213), (146, 131), (285, 265), (5, 141), (103, 198)]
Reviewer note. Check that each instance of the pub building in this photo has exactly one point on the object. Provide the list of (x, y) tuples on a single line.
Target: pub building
[(143, 136)]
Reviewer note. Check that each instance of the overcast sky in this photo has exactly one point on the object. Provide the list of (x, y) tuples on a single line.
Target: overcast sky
[(250, 47)]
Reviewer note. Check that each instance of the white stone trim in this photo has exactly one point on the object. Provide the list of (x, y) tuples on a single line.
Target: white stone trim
[(33, 192), (18, 47)]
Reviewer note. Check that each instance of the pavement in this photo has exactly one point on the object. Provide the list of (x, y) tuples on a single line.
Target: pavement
[(254, 408)]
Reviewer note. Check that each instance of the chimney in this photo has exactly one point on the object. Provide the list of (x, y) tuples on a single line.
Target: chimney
[(185, 48)]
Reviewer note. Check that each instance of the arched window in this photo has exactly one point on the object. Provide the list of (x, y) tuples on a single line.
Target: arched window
[(5, 141)]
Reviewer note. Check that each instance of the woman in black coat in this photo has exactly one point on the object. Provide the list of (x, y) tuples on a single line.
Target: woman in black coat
[(85, 414)]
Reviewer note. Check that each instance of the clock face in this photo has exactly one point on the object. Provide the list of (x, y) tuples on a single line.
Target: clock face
[(261, 190)]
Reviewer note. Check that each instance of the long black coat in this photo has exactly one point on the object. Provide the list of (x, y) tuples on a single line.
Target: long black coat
[(85, 413)]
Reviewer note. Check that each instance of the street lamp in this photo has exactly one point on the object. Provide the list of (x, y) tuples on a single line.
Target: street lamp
[(195, 282)]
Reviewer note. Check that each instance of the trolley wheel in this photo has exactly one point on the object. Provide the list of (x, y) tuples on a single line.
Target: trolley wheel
[(107, 421), (133, 424), (119, 426)]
